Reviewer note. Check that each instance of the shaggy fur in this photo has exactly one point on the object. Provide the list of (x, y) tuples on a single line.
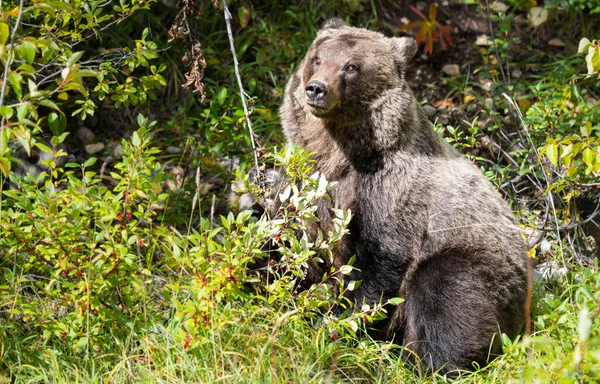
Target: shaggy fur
[(426, 226)]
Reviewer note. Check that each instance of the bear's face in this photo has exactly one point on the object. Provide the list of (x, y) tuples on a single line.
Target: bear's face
[(346, 69)]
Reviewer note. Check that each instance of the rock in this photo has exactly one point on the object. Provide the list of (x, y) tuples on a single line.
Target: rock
[(556, 43), (590, 101), (486, 84), (451, 70), (483, 40), (171, 185), (94, 148), (245, 202), (86, 136), (173, 150), (23, 167), (177, 170), (443, 120), (500, 7), (429, 110), (117, 151), (537, 16), (516, 73), (489, 103), (475, 25), (272, 176), (545, 247), (549, 272)]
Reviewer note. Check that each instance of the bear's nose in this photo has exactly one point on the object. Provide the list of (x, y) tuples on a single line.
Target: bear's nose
[(315, 90)]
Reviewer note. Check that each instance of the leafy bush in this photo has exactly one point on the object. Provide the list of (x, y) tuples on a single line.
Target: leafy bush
[(78, 257), (48, 60)]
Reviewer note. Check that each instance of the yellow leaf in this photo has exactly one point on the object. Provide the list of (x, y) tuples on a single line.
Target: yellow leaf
[(63, 96), (4, 33), (524, 104), (468, 99), (14, 12)]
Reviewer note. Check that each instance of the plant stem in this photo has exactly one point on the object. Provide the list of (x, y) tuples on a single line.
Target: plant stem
[(239, 80)]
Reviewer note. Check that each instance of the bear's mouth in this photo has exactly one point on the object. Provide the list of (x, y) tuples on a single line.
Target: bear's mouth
[(319, 109)]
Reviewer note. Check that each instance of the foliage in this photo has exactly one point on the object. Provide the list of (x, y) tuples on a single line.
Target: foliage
[(430, 29), (48, 60), (84, 277), (590, 6)]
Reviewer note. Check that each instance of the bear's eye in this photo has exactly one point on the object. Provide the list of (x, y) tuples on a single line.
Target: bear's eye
[(317, 61), (351, 68)]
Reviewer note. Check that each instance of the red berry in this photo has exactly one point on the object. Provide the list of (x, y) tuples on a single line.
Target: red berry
[(119, 216), (129, 216)]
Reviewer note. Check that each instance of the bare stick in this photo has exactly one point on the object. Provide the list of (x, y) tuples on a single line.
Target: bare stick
[(239, 80), (10, 53)]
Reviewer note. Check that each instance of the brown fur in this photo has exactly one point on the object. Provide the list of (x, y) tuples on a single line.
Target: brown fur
[(426, 224)]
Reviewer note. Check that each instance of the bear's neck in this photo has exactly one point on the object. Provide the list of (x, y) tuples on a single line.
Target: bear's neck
[(368, 141)]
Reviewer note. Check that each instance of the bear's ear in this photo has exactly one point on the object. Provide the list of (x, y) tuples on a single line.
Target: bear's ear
[(405, 48), (335, 23)]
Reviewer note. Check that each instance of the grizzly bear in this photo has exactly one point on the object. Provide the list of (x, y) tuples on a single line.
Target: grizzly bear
[(426, 225)]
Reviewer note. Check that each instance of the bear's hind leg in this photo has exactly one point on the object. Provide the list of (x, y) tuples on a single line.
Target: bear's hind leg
[(451, 319)]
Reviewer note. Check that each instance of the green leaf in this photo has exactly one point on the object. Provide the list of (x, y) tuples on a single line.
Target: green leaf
[(395, 300), (15, 80), (243, 16), (585, 129), (135, 139), (551, 152), (6, 112), (74, 58), (4, 167), (89, 162), (27, 51), (43, 147), (588, 156), (57, 122), (354, 284), (141, 120), (49, 104), (4, 33), (23, 136), (221, 95), (593, 60), (346, 269), (87, 73)]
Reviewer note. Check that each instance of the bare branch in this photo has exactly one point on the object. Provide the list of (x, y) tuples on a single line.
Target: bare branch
[(239, 80)]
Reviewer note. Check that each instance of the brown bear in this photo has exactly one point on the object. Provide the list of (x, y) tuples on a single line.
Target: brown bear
[(426, 226)]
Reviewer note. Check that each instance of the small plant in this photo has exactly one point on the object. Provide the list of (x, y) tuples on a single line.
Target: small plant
[(430, 30)]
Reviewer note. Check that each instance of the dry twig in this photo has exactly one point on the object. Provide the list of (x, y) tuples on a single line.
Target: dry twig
[(239, 80)]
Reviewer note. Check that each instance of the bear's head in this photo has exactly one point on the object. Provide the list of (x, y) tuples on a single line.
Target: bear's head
[(346, 69)]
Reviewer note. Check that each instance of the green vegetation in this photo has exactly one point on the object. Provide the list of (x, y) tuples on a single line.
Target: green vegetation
[(145, 266)]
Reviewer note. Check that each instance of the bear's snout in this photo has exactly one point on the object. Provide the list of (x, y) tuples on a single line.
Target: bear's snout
[(315, 91)]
